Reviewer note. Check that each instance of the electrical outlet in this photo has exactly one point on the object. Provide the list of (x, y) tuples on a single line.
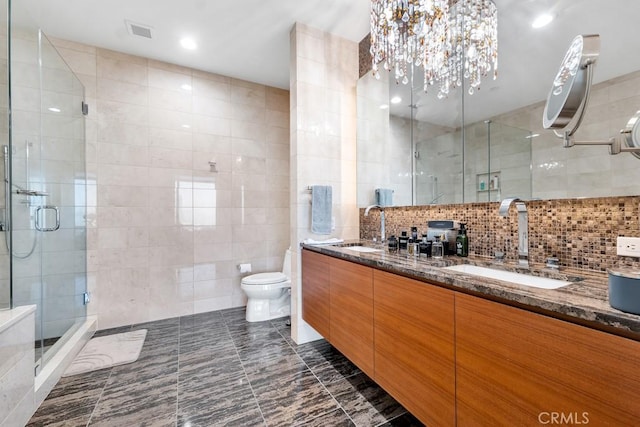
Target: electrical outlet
[(628, 246)]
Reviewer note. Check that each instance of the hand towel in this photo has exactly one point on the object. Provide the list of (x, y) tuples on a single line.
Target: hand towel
[(321, 202), (384, 197)]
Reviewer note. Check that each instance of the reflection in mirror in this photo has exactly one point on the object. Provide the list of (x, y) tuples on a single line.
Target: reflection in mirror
[(528, 63)]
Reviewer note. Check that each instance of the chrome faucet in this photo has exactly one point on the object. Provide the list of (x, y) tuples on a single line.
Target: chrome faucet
[(523, 227), (366, 213)]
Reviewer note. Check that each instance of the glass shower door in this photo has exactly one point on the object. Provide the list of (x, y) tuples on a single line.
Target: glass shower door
[(48, 190), (61, 220)]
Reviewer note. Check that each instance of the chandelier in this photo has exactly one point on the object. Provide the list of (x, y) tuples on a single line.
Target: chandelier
[(450, 40)]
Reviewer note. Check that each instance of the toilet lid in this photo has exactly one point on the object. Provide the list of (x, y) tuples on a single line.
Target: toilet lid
[(265, 278)]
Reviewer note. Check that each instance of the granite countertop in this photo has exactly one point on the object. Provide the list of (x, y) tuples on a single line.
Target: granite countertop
[(585, 301)]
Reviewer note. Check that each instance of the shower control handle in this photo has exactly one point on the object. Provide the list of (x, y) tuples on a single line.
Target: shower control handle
[(39, 213)]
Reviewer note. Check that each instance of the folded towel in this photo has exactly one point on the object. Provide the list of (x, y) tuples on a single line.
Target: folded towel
[(331, 241), (384, 197), (321, 202)]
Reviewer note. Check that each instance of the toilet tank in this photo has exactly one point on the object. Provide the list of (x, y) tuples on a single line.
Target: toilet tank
[(286, 265)]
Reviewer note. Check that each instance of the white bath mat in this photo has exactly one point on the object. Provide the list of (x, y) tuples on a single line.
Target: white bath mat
[(105, 352)]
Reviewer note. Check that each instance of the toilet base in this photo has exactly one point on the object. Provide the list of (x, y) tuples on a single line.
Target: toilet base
[(259, 310)]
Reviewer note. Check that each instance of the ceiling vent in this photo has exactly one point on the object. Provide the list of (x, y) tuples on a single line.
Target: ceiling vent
[(138, 29)]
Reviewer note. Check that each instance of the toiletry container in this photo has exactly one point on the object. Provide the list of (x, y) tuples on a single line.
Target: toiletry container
[(624, 290), (403, 240), (437, 248), (425, 246), (393, 244), (462, 241), (414, 233), (412, 248)]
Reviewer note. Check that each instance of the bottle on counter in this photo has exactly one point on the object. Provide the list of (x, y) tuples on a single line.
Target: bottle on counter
[(414, 233), (437, 249), (462, 241), (403, 240), (393, 244), (425, 246), (413, 249)]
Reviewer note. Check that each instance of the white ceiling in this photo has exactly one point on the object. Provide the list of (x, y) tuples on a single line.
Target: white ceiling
[(246, 39), (528, 58), (249, 39)]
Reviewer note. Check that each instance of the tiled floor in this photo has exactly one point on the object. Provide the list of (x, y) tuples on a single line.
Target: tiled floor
[(216, 369)]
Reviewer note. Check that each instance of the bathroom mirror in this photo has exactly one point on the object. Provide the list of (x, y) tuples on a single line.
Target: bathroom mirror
[(528, 60)]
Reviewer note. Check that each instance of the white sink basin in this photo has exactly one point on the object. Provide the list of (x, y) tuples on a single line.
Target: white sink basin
[(508, 276), (362, 249)]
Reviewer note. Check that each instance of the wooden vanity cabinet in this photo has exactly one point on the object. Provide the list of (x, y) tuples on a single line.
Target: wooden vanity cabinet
[(351, 317), (456, 359), (515, 367), (315, 291), (414, 346)]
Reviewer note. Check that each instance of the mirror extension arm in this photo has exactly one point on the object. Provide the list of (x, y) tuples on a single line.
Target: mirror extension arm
[(569, 96)]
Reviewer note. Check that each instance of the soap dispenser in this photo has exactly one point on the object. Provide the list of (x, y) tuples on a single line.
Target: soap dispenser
[(462, 241)]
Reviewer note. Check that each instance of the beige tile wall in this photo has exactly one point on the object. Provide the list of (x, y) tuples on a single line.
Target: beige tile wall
[(165, 232), (323, 75)]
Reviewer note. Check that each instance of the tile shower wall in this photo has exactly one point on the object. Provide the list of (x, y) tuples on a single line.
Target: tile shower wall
[(580, 232), (166, 230)]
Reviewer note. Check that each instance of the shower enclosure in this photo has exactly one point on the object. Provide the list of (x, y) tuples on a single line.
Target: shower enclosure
[(44, 192), (493, 162)]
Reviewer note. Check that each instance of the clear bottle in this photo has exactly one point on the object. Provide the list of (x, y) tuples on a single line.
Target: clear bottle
[(437, 249)]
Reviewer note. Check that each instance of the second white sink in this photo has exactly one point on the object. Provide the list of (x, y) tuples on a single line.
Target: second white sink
[(508, 276), (362, 249)]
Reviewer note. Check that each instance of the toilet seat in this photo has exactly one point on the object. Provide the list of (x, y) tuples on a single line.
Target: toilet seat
[(265, 278)]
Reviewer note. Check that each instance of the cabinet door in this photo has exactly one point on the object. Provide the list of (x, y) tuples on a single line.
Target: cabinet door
[(315, 291), (414, 346), (352, 312), (515, 367)]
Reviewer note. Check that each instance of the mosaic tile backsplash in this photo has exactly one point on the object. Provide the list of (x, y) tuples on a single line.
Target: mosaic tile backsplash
[(580, 232)]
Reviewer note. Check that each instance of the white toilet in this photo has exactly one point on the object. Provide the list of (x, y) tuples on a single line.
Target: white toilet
[(269, 294)]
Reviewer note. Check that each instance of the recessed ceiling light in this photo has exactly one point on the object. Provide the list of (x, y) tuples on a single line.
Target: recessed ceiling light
[(384, 106), (186, 126), (188, 43), (186, 87), (396, 100), (542, 20), (54, 109)]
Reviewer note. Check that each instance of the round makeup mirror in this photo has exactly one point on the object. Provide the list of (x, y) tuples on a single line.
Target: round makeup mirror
[(570, 90), (631, 133)]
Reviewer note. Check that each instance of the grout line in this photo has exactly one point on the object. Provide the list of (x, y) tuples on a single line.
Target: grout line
[(104, 387), (255, 398), (178, 370), (317, 379), (95, 406)]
